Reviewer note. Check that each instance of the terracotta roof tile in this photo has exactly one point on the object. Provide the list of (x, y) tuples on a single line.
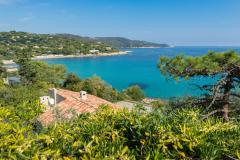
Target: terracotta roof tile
[(72, 105)]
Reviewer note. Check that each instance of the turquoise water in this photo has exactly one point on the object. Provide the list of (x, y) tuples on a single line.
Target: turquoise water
[(139, 67)]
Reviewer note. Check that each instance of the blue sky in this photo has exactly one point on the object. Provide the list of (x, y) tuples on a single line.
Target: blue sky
[(178, 22)]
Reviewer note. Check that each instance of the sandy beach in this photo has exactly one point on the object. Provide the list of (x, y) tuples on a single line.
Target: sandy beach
[(53, 56)]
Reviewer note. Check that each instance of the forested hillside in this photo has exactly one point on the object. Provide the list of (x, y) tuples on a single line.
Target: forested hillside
[(67, 44), (38, 44), (120, 42)]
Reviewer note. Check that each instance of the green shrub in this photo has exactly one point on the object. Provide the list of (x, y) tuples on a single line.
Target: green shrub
[(135, 93), (120, 134), (94, 85)]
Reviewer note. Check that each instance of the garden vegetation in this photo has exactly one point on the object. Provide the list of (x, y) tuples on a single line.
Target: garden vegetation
[(166, 132)]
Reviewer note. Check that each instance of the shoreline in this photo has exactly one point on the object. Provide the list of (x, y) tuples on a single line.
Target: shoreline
[(153, 47), (56, 56), (148, 47)]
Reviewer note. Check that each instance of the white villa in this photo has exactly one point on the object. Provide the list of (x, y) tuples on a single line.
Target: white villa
[(94, 51), (10, 68)]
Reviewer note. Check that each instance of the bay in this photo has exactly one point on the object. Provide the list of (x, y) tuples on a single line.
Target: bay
[(140, 67)]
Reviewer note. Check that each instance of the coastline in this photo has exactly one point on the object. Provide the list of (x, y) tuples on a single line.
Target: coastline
[(56, 56), (148, 47), (153, 47)]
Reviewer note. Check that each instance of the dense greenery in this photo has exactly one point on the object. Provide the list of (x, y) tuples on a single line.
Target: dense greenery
[(116, 134), (225, 67), (37, 44), (39, 72), (94, 85), (135, 93), (119, 42), (165, 132), (98, 87)]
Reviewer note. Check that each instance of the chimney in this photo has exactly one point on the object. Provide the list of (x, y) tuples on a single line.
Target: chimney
[(53, 94), (83, 95)]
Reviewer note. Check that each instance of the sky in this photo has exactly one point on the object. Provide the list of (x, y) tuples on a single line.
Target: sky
[(176, 22)]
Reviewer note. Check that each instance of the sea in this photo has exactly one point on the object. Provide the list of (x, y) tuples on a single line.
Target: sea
[(139, 67)]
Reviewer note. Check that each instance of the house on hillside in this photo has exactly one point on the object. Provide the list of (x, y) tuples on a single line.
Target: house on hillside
[(94, 51), (11, 80), (10, 69), (108, 48), (9, 66), (65, 104)]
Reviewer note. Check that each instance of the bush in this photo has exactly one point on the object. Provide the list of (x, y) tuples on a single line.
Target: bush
[(135, 93), (94, 85), (72, 79), (121, 134)]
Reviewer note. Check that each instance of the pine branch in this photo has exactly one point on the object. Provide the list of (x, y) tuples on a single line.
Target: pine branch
[(212, 113), (216, 88)]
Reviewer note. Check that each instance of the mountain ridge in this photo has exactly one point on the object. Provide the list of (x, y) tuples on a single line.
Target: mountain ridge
[(118, 42), (121, 42)]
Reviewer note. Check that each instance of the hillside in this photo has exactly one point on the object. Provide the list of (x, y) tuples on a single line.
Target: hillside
[(38, 44), (67, 44), (119, 42)]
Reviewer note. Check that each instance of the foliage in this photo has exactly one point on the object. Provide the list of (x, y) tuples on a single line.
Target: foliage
[(36, 72), (93, 85), (225, 67), (19, 109), (14, 95), (71, 79), (134, 92), (120, 42), (98, 87), (109, 133), (119, 134), (158, 104), (17, 126), (37, 44)]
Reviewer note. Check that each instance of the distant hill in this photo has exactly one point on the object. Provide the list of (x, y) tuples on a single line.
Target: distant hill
[(120, 42), (67, 44), (13, 42)]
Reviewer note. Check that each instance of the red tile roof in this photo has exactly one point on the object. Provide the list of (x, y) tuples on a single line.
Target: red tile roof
[(72, 105)]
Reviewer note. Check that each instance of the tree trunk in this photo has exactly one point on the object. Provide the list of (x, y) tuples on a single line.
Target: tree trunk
[(226, 97), (226, 111)]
